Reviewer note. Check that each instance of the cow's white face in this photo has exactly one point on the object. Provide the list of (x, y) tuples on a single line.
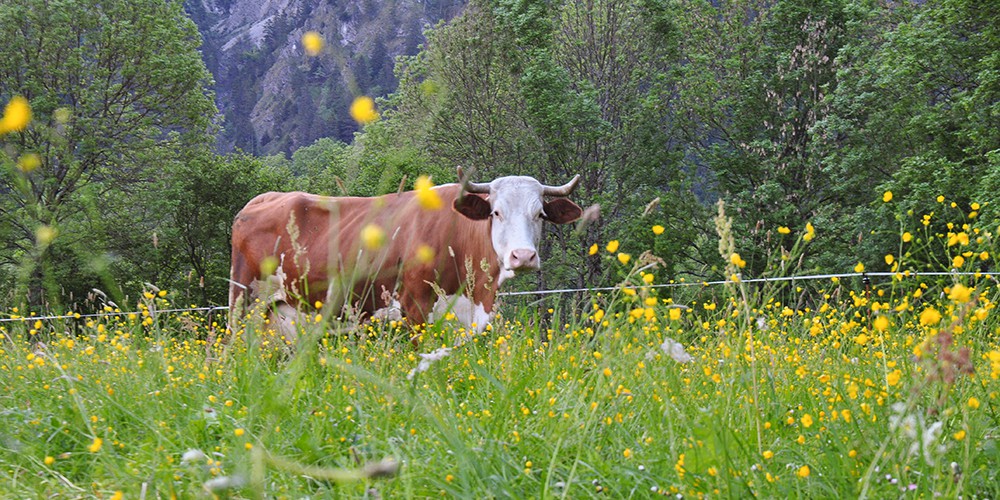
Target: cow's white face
[(516, 207)]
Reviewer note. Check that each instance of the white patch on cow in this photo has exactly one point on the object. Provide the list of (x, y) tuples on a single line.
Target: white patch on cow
[(471, 314), (391, 312), (505, 274)]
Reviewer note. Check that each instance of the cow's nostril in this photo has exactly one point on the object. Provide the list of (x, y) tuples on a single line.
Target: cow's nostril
[(523, 258)]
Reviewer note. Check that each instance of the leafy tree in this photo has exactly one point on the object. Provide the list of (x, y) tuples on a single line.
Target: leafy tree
[(321, 166), (754, 86), (117, 88), (917, 113)]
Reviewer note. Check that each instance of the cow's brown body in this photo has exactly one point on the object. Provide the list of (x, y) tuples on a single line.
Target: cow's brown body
[(328, 261)]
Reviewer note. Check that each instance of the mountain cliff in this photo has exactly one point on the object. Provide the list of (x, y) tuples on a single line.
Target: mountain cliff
[(275, 98)]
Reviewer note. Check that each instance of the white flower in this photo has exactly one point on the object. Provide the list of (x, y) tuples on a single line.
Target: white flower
[(193, 456), (675, 350), (222, 483), (431, 357)]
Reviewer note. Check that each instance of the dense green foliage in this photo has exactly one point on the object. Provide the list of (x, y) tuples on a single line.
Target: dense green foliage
[(793, 112)]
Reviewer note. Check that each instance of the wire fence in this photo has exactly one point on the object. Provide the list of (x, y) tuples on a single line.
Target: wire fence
[(703, 284)]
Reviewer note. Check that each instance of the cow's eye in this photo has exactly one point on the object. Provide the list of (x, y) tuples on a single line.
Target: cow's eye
[(496, 213)]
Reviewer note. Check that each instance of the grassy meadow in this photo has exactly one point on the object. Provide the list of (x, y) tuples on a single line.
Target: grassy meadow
[(811, 389)]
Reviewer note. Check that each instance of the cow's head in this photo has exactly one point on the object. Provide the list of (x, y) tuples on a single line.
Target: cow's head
[(517, 208)]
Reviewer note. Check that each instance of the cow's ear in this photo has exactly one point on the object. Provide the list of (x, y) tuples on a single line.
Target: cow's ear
[(472, 206), (562, 211)]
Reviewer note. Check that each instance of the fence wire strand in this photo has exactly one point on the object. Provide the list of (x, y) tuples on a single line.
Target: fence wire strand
[(811, 277)]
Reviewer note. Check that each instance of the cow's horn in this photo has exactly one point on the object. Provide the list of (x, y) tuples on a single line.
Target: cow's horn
[(472, 187), (563, 190)]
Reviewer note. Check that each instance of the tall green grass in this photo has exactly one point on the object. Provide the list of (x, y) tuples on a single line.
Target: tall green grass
[(820, 390)]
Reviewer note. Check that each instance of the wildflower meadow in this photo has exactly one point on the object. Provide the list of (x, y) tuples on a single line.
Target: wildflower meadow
[(856, 385)]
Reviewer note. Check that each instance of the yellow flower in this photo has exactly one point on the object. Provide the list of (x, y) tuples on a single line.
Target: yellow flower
[(45, 234), (627, 453), (803, 471), (372, 237), (363, 110), (426, 195), (892, 378), (960, 293), (784, 230), (737, 260), (973, 403), (49, 460), (268, 265), (592, 250), (425, 254), (889, 259), (16, 115), (675, 314), (768, 454), (28, 162), (930, 317), (658, 229), (312, 42), (117, 495), (810, 232), (958, 261), (960, 435), (887, 196), (907, 237), (940, 199), (96, 445), (612, 246), (881, 323), (807, 420), (859, 268), (624, 258), (238, 432)]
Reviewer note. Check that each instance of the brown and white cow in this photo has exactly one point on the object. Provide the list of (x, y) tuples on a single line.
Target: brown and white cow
[(492, 232)]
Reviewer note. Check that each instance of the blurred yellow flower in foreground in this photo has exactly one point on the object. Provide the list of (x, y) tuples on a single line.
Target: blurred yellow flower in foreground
[(658, 229), (16, 115), (426, 196), (887, 196), (96, 445), (425, 254), (363, 110), (960, 293), (312, 42), (930, 317), (372, 237), (881, 323), (45, 234), (28, 162)]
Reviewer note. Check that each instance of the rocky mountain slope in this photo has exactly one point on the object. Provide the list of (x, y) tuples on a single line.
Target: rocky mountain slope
[(273, 96)]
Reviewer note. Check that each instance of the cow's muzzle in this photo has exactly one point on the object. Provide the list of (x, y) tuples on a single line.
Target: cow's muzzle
[(523, 259)]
